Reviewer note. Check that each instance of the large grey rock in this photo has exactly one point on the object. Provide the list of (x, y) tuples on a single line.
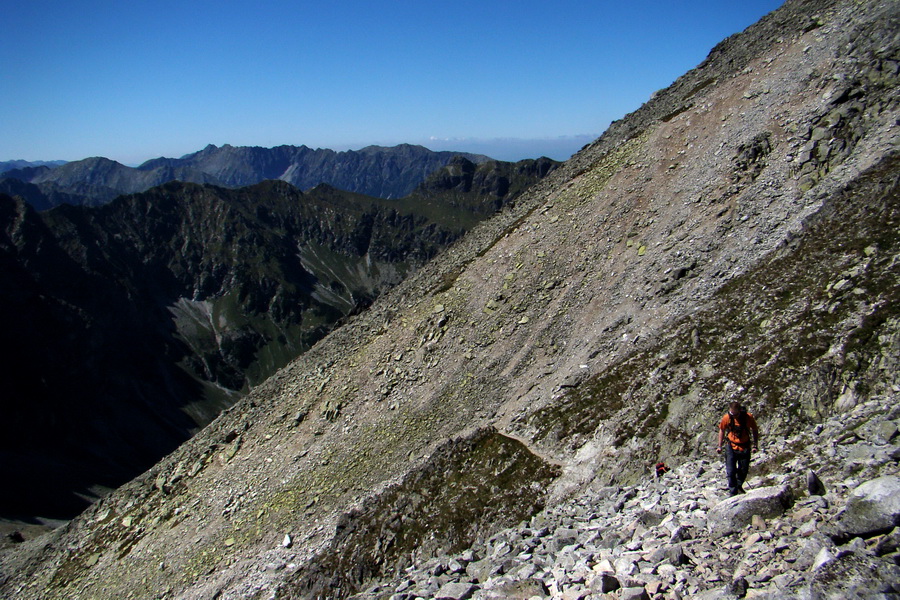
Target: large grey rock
[(482, 570), (633, 593), (808, 552), (873, 507), (456, 591), (737, 512), (604, 583)]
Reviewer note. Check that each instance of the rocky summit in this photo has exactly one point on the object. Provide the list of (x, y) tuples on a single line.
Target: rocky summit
[(488, 427)]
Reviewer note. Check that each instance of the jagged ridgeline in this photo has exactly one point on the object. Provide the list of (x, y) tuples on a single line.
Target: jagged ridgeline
[(383, 172), (735, 238), (130, 326)]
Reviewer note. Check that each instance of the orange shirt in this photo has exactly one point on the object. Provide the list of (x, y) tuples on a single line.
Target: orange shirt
[(738, 436)]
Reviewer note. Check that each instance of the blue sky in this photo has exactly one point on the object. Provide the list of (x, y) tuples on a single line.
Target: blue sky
[(135, 80)]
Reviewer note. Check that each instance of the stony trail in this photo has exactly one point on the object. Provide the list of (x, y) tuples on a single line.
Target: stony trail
[(680, 536)]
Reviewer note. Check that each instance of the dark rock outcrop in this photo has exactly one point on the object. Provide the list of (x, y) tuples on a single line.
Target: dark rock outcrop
[(130, 326)]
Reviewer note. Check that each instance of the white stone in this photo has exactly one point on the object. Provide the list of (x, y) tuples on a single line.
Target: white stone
[(822, 558)]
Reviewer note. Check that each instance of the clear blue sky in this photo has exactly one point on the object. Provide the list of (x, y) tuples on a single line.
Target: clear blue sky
[(134, 79)]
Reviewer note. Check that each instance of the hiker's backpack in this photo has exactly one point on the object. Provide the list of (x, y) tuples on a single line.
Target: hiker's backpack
[(739, 427)]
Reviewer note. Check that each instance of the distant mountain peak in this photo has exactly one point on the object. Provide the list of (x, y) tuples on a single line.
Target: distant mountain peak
[(10, 165), (385, 172)]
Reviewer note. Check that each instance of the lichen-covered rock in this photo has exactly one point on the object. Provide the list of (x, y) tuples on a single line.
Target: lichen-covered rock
[(524, 589), (851, 577), (873, 507)]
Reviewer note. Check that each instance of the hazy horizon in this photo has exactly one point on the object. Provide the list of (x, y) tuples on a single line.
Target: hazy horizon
[(511, 150)]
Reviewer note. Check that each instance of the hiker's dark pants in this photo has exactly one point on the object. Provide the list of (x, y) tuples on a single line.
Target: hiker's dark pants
[(737, 465)]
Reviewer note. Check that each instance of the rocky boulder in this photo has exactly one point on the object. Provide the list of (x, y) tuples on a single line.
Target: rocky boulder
[(851, 576), (872, 508), (737, 512), (519, 590), (456, 591)]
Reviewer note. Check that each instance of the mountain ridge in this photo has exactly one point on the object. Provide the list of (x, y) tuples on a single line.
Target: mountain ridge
[(9, 165), (383, 172)]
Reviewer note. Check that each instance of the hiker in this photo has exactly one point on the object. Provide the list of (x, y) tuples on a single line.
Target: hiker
[(735, 428)]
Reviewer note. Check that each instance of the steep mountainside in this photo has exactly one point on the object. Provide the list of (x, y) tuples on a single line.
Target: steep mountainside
[(736, 238), (131, 325), (375, 171)]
